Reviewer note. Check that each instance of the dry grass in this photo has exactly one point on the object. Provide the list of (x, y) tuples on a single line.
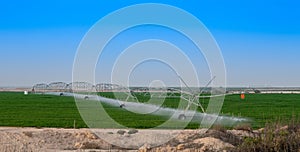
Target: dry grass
[(244, 127), (275, 137), (219, 128)]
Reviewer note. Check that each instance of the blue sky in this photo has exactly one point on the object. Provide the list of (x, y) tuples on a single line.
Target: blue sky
[(260, 40)]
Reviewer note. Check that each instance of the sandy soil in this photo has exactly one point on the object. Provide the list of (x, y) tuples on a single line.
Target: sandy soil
[(13, 139)]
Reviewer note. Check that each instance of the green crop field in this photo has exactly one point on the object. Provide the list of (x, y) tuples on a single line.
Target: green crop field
[(259, 108), (264, 108), (16, 109), (37, 110)]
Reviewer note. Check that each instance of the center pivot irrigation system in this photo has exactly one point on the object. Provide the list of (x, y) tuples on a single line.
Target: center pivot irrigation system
[(187, 94), (192, 97)]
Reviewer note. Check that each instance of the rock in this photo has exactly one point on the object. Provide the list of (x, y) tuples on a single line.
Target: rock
[(132, 131), (121, 132), (180, 147), (242, 133), (90, 135), (78, 145), (212, 144), (182, 138)]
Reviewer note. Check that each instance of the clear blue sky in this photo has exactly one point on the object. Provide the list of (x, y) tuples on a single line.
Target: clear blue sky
[(260, 40)]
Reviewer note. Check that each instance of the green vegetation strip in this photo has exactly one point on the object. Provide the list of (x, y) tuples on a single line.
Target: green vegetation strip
[(34, 110), (37, 110)]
